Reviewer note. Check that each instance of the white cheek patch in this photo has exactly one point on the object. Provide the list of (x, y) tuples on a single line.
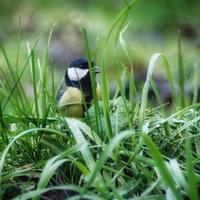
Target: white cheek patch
[(76, 74)]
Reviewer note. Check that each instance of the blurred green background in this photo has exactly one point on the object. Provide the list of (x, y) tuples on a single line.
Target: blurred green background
[(153, 27)]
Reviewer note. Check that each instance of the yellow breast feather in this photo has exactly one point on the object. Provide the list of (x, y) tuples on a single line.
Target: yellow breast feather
[(71, 103)]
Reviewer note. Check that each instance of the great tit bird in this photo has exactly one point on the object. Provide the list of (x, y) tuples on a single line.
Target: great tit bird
[(76, 94)]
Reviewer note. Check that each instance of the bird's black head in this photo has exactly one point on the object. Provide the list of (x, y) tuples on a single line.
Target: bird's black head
[(78, 75), (81, 63)]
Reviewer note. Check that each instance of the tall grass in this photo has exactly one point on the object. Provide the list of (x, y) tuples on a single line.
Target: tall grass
[(181, 72), (121, 150)]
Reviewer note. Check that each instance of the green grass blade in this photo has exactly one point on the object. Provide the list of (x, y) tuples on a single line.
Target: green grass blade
[(17, 83), (90, 133), (45, 74), (80, 139), (181, 73), (35, 85), (92, 75), (196, 81), (18, 42), (48, 171), (37, 192), (145, 89), (114, 142), (177, 173), (160, 164), (106, 99), (26, 132), (191, 176), (53, 144), (118, 19)]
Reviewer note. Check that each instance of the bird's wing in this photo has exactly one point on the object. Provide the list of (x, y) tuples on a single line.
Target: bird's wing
[(70, 96)]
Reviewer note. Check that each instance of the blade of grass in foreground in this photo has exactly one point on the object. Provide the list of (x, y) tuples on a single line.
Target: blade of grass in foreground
[(192, 181), (35, 85), (105, 154), (120, 19), (106, 101), (158, 97), (179, 113), (44, 76), (196, 80), (132, 89), (181, 73), (53, 164), (121, 30), (145, 89), (122, 90), (14, 77), (75, 188), (90, 133), (111, 185), (19, 96), (26, 132), (80, 139), (17, 80), (18, 42), (92, 75), (48, 171), (3, 128), (163, 170), (177, 173)]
